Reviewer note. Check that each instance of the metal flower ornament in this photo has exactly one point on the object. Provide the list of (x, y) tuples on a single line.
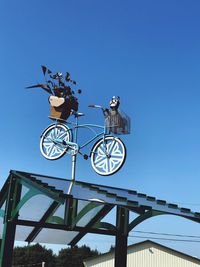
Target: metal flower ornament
[(108, 152)]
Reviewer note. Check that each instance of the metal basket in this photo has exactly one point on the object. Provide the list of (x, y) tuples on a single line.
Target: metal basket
[(117, 122)]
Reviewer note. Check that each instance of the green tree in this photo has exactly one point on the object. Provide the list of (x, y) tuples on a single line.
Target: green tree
[(33, 254), (73, 257), (112, 248)]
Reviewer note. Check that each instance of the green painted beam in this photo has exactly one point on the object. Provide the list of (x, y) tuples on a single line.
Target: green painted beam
[(2, 213), (4, 193), (9, 228)]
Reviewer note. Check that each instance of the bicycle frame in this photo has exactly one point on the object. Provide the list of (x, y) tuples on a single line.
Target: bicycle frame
[(76, 126), (107, 154)]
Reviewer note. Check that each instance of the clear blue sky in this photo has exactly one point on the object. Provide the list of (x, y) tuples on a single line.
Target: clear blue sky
[(148, 52)]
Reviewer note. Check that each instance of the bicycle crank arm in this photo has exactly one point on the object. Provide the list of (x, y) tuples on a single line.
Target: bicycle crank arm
[(85, 156), (73, 147)]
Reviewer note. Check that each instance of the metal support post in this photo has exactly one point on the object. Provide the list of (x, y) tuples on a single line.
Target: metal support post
[(9, 228), (74, 155), (73, 173), (122, 222)]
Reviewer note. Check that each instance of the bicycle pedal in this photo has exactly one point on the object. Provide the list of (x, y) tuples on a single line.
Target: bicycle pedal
[(85, 156)]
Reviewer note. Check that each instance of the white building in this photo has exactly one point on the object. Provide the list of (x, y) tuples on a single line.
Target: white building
[(146, 254)]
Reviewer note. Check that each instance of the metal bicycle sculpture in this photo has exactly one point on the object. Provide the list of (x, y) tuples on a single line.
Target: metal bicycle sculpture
[(108, 153)]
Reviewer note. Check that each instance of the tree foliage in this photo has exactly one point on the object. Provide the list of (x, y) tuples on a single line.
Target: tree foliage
[(32, 255), (72, 257)]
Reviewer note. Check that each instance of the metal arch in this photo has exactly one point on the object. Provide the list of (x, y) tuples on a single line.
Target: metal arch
[(152, 213), (31, 193), (105, 225), (84, 211), (148, 214)]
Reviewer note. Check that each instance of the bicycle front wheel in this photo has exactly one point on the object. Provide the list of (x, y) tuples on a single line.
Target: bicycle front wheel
[(108, 155), (53, 141)]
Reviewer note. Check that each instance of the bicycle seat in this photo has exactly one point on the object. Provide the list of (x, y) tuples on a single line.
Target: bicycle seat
[(79, 114), (56, 119)]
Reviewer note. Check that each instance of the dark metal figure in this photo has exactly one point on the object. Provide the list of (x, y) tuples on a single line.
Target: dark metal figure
[(116, 120)]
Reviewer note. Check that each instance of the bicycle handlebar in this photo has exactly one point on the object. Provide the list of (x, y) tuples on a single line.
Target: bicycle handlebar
[(95, 106), (104, 110)]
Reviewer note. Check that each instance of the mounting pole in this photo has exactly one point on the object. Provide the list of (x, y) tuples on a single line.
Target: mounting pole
[(74, 155), (73, 172)]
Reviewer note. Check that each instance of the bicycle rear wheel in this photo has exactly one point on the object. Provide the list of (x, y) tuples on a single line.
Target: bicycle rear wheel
[(53, 141), (108, 155)]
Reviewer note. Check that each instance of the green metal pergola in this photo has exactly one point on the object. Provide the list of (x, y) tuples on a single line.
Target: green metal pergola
[(38, 208)]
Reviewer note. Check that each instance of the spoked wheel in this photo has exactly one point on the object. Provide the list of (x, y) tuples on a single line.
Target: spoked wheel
[(53, 141), (108, 155)]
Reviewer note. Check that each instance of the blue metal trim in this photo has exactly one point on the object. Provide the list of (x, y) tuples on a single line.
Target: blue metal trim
[(2, 213)]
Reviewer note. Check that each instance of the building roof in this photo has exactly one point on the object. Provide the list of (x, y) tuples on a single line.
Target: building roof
[(150, 243)]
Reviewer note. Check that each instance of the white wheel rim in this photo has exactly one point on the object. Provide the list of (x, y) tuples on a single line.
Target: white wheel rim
[(49, 149), (104, 165)]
